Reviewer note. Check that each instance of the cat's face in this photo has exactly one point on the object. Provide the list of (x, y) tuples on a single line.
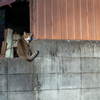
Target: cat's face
[(27, 36)]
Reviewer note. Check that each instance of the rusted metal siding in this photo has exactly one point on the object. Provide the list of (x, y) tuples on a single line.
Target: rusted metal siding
[(66, 19)]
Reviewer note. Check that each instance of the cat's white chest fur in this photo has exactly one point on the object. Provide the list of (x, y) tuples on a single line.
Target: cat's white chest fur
[(28, 39)]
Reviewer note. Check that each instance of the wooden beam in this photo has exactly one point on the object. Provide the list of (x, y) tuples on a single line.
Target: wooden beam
[(9, 51), (3, 49), (16, 37)]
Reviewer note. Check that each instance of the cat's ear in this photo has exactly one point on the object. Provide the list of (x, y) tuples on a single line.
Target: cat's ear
[(24, 33)]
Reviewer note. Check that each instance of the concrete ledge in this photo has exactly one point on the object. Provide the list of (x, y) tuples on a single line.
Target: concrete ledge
[(55, 48), (64, 48)]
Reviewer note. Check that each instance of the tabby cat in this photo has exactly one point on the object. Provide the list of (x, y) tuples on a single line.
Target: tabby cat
[(23, 48)]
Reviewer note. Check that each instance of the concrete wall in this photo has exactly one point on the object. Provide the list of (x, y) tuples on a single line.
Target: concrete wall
[(64, 70)]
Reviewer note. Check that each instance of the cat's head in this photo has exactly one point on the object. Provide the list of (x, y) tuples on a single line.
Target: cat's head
[(27, 36)]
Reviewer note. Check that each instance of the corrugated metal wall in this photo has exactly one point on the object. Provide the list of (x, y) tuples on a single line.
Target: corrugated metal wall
[(66, 19)]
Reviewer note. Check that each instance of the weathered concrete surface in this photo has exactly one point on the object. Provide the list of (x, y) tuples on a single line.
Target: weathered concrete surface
[(62, 71), (91, 94), (69, 65), (3, 83), (16, 66), (47, 81), (91, 64), (20, 96), (19, 82), (69, 94), (3, 66), (48, 65), (47, 95), (3, 95), (64, 48), (67, 81), (91, 80), (67, 70)]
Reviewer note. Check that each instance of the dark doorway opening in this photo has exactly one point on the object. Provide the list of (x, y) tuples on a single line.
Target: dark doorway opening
[(17, 19), (2, 26)]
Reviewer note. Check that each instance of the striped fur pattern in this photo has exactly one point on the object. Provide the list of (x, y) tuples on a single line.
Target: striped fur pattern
[(24, 50)]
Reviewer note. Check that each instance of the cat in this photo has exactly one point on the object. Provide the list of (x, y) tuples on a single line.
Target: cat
[(23, 48)]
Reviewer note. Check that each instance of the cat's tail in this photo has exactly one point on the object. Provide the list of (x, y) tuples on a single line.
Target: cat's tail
[(32, 56)]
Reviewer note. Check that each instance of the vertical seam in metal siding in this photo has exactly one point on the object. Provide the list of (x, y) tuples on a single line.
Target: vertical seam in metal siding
[(52, 17), (37, 20), (45, 18), (95, 21), (67, 21), (74, 18), (60, 18), (34, 18), (88, 33), (80, 20)]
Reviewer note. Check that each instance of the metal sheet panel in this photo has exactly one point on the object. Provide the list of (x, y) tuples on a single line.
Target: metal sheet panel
[(56, 19), (64, 24), (41, 19), (84, 14), (91, 20), (71, 25), (97, 19), (78, 23), (49, 24), (66, 19)]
